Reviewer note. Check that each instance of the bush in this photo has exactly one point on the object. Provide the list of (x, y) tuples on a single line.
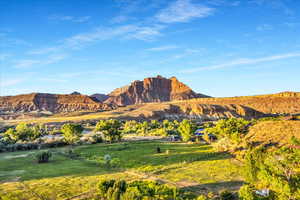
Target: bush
[(43, 156), (110, 129), (276, 170), (138, 190), (71, 132)]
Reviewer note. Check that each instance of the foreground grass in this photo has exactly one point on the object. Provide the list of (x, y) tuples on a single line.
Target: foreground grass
[(190, 166)]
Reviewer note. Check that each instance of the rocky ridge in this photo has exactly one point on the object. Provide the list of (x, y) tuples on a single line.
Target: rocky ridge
[(154, 89), (53, 103)]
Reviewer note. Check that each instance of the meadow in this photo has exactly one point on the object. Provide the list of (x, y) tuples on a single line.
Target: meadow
[(193, 167)]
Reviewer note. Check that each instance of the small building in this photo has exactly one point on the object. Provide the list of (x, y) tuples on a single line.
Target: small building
[(199, 133)]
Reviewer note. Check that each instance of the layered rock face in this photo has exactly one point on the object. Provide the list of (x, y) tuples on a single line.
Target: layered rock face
[(100, 97), (50, 102), (156, 89), (181, 110)]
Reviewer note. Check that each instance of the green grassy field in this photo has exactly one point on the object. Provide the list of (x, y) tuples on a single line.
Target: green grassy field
[(193, 167)]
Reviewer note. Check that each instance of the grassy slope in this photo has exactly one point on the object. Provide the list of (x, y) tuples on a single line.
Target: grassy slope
[(190, 166), (274, 131)]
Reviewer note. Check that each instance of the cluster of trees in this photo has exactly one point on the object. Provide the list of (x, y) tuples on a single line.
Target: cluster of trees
[(275, 169), (153, 127), (23, 132), (151, 190), (121, 190), (113, 129), (230, 133)]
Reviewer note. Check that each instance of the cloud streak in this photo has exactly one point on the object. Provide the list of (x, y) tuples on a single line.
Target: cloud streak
[(27, 63), (11, 82), (163, 48), (244, 61), (127, 32), (183, 11), (70, 18)]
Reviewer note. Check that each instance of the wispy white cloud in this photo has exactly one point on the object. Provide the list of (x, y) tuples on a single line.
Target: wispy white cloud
[(10, 82), (223, 2), (264, 27), (27, 63), (146, 33), (119, 19), (70, 18), (183, 11), (53, 80), (127, 32), (45, 50), (7, 41), (244, 61), (185, 53), (163, 48)]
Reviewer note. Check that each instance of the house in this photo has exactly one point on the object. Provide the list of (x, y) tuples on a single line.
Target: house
[(199, 133)]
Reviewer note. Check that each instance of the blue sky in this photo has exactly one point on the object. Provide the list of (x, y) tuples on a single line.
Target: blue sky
[(217, 47)]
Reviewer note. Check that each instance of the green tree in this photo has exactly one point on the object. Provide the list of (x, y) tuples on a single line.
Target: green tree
[(232, 128), (143, 128), (278, 170), (186, 129), (72, 132), (111, 129), (130, 127)]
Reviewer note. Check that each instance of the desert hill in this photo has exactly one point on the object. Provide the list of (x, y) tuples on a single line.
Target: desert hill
[(154, 89), (155, 97), (53, 103), (279, 132), (280, 103)]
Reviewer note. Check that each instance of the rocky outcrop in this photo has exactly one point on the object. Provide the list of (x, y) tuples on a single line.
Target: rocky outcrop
[(281, 103), (100, 97), (54, 103), (181, 110), (155, 89)]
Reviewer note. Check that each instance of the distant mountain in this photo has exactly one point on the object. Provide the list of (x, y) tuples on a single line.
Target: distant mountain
[(154, 89), (54, 103), (100, 97), (75, 93)]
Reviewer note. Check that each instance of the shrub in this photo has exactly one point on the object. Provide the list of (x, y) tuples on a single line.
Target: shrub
[(276, 170), (110, 129), (71, 132), (138, 190), (43, 156)]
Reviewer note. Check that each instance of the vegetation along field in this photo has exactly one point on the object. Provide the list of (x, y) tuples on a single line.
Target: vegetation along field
[(155, 160)]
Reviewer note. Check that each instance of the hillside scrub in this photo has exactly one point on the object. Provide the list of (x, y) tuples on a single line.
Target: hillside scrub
[(277, 170), (274, 132), (230, 133)]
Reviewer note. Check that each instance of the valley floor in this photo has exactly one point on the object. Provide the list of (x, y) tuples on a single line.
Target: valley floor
[(193, 167)]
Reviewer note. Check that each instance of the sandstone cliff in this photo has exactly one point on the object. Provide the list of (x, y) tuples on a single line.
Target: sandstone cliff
[(156, 89), (54, 103), (281, 103)]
